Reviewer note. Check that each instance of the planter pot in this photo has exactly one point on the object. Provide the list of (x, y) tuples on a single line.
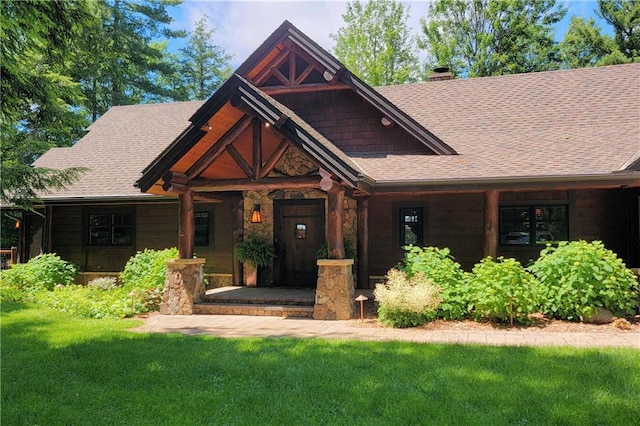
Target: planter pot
[(251, 273)]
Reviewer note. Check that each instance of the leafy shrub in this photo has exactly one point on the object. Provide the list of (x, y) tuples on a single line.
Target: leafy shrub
[(104, 283), (502, 291), (406, 302), (256, 250), (147, 269), (578, 277), (89, 302), (42, 272), (441, 269)]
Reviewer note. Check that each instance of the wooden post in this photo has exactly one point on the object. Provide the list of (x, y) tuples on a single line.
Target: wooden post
[(335, 237), (363, 243), (237, 204), (187, 226), (257, 147), (491, 209)]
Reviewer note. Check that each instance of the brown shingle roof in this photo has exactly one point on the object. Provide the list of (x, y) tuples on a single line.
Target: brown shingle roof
[(561, 123), (117, 147)]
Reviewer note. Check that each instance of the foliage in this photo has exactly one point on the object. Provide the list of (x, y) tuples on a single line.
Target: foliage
[(39, 274), (104, 283), (438, 266), (375, 44), (502, 291), (406, 302), (121, 61), (147, 270), (585, 44), (256, 250), (492, 37), (204, 66), (578, 276), (40, 102)]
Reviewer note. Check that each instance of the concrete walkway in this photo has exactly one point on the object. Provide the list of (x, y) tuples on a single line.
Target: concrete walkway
[(254, 326)]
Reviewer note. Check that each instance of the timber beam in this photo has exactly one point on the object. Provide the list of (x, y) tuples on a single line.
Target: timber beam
[(213, 185)]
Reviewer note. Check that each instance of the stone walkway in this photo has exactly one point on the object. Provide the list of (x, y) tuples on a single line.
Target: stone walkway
[(254, 326)]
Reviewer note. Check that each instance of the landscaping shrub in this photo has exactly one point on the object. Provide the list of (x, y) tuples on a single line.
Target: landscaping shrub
[(406, 301), (577, 277), (104, 283), (89, 302), (43, 272), (502, 291), (441, 269), (147, 269)]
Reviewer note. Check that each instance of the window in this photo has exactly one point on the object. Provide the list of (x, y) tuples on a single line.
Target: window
[(202, 223), (110, 229), (411, 226), (532, 225)]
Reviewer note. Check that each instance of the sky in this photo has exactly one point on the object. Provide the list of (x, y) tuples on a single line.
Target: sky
[(241, 26)]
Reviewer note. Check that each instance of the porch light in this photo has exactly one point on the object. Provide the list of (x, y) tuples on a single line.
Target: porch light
[(256, 217), (17, 224)]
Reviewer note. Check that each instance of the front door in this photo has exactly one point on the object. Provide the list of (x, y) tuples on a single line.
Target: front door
[(299, 233)]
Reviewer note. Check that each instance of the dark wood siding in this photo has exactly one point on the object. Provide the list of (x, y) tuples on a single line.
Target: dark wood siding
[(456, 221), (156, 227), (350, 122)]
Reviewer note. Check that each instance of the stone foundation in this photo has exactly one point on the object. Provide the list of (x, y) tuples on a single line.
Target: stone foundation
[(335, 291), (183, 286)]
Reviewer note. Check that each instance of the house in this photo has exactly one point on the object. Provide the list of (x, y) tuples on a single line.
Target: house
[(488, 166)]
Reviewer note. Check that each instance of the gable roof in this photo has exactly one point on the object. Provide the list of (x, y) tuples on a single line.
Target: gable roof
[(237, 90), (337, 72)]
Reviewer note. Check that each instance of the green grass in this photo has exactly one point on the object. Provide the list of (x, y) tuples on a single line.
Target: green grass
[(62, 370)]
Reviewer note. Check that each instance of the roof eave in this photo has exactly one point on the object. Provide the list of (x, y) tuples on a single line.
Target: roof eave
[(616, 179)]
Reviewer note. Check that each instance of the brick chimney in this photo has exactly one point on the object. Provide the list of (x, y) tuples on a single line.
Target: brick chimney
[(439, 74)]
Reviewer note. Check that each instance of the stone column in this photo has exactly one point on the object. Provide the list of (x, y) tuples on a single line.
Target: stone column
[(335, 290), (183, 286)]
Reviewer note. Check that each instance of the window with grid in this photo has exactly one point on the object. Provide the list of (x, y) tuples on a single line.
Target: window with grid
[(533, 224), (110, 229), (202, 221), (411, 226)]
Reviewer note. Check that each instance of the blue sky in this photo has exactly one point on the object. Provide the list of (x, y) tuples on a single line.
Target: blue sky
[(242, 25)]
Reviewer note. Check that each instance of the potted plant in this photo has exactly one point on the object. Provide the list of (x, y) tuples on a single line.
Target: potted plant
[(255, 252)]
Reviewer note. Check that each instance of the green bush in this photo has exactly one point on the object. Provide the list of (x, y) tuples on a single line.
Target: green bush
[(89, 302), (439, 267), (579, 276), (147, 269), (502, 291), (43, 272), (406, 302)]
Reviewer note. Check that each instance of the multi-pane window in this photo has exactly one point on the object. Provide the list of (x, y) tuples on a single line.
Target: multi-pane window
[(203, 228), (110, 229), (411, 226), (533, 224)]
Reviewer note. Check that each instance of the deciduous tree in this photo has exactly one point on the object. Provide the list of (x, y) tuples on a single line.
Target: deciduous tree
[(492, 37), (376, 44)]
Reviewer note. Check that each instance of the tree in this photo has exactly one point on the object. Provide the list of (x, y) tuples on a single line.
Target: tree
[(204, 66), (492, 37), (39, 100), (376, 44), (121, 61), (585, 45)]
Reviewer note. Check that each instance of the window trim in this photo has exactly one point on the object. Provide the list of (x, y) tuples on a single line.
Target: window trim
[(111, 213), (209, 225), (531, 206), (401, 224)]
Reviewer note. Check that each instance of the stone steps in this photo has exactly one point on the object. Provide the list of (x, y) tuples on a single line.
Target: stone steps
[(256, 309)]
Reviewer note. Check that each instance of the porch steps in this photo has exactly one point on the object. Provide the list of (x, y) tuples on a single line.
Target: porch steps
[(281, 302)]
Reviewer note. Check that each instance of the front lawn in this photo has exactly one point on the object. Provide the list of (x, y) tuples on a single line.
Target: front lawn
[(57, 369)]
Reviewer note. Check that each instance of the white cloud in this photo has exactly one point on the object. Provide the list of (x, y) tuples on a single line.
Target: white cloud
[(241, 26)]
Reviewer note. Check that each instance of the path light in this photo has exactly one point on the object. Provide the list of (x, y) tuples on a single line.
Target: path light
[(361, 299)]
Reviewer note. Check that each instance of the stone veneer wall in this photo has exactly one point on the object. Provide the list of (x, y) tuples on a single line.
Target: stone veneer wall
[(293, 163)]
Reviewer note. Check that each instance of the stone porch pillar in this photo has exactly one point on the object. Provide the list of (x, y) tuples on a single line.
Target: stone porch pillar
[(183, 286), (335, 290)]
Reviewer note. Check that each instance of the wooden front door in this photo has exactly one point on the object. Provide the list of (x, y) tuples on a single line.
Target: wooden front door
[(299, 233)]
